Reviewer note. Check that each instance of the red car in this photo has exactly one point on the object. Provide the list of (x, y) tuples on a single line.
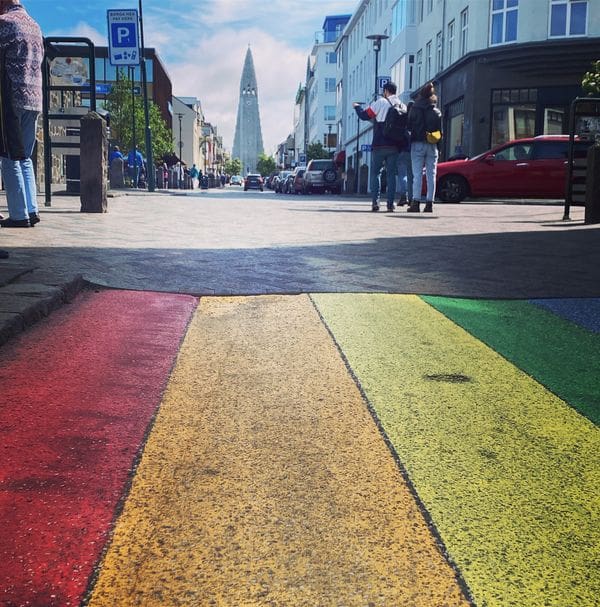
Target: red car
[(525, 168)]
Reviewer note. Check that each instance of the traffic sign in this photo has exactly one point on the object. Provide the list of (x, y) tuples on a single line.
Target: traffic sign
[(382, 81), (123, 37), (302, 158)]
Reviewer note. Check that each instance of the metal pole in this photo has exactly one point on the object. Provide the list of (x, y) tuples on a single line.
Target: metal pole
[(46, 126), (376, 70), (133, 139), (149, 155), (357, 152)]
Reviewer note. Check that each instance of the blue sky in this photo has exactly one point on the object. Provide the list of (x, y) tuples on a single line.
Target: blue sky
[(203, 44)]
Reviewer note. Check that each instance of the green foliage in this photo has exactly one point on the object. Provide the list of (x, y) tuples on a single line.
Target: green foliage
[(591, 80), (233, 166), (123, 109), (265, 165), (316, 151)]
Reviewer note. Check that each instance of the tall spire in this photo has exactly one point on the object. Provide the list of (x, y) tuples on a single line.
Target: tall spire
[(248, 143)]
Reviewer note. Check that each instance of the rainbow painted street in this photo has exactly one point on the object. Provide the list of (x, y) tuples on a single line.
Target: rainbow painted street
[(309, 450)]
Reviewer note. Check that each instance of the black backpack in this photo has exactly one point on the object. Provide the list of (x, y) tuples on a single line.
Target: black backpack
[(394, 125)]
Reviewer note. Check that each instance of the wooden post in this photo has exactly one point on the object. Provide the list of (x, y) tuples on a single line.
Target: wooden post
[(93, 162)]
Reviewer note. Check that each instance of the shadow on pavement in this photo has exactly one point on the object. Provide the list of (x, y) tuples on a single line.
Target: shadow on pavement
[(499, 265)]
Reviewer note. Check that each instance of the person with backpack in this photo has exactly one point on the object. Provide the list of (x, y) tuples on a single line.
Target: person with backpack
[(425, 126), (390, 136)]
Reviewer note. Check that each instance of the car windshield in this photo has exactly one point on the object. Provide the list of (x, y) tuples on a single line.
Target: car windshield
[(319, 165)]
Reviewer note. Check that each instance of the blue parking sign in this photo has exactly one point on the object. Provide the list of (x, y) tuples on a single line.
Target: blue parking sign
[(123, 39)]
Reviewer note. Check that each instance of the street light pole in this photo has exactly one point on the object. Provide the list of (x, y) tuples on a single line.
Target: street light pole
[(377, 38), (329, 139), (357, 149), (149, 155)]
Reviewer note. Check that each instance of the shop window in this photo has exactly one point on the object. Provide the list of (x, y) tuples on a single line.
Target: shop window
[(554, 121), (512, 122), (455, 115)]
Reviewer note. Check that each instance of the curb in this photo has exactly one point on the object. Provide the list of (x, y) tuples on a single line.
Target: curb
[(33, 296)]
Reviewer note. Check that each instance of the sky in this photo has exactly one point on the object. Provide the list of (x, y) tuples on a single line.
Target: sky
[(203, 44)]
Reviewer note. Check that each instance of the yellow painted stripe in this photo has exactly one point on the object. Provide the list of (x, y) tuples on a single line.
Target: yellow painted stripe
[(508, 471), (266, 482)]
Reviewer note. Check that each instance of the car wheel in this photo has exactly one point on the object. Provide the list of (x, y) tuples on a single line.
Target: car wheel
[(453, 188), (329, 175)]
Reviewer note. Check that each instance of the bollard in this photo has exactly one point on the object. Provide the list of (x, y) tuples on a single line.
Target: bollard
[(592, 186), (93, 161), (117, 174)]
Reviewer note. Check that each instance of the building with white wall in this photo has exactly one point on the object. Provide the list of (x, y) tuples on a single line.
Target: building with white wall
[(503, 68), (187, 129)]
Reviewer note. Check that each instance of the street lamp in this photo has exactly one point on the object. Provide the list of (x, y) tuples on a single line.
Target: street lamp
[(377, 38), (329, 138), (149, 154), (180, 116)]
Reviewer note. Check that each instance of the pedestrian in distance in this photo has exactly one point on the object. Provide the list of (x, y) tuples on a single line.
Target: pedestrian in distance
[(194, 173), (116, 153), (21, 55), (425, 126), (385, 145), (135, 162)]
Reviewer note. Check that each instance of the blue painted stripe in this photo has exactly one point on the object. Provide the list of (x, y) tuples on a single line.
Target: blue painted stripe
[(584, 312)]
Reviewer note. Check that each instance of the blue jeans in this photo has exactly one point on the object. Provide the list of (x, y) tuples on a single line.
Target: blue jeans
[(18, 175), (405, 175), (379, 157), (424, 154)]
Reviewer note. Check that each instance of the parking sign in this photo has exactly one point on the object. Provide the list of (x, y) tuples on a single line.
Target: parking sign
[(381, 82), (123, 39)]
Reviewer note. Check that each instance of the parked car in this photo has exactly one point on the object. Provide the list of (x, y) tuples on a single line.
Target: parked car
[(253, 181), (270, 179), (286, 188), (297, 185), (279, 181), (535, 167), (236, 180), (321, 175)]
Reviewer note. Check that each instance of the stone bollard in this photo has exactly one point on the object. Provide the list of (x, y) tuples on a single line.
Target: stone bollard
[(592, 186), (93, 160), (117, 174)]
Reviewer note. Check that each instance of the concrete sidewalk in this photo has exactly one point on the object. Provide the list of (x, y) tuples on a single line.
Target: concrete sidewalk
[(225, 241)]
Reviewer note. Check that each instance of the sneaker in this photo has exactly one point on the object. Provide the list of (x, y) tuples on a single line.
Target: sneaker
[(14, 223), (390, 208), (414, 207), (428, 207), (33, 219), (375, 208), (403, 200)]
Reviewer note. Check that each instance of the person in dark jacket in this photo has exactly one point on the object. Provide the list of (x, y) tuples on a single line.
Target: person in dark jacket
[(424, 117), (22, 50), (384, 151)]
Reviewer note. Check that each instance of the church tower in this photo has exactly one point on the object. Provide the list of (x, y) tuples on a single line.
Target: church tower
[(248, 142)]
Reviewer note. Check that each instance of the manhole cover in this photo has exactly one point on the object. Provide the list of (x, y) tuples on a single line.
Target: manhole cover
[(452, 378)]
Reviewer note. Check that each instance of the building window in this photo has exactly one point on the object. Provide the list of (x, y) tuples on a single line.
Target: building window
[(513, 114), (329, 112), (419, 66), (330, 85), (568, 18), (464, 32), (331, 57), (504, 21), (403, 14), (455, 115), (438, 52), (451, 28), (428, 61)]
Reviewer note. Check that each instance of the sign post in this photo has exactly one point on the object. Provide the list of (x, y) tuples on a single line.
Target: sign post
[(123, 37)]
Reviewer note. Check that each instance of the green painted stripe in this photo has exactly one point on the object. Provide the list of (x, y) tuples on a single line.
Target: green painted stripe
[(509, 473), (559, 354)]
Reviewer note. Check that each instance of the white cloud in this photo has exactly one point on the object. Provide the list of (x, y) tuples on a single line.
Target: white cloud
[(211, 70), (83, 30)]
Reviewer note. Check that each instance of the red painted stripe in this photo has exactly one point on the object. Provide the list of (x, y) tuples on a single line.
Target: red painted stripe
[(370, 113), (77, 395)]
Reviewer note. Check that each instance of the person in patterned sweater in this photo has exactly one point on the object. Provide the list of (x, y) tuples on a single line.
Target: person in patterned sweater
[(21, 55)]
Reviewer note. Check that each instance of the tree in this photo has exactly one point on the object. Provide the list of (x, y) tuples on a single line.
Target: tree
[(233, 166), (316, 151), (123, 111), (591, 80), (265, 165)]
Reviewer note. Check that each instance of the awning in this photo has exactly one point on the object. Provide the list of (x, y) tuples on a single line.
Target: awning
[(340, 157)]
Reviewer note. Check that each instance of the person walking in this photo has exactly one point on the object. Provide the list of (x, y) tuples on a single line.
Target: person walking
[(21, 55), (425, 126), (135, 162), (384, 149)]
